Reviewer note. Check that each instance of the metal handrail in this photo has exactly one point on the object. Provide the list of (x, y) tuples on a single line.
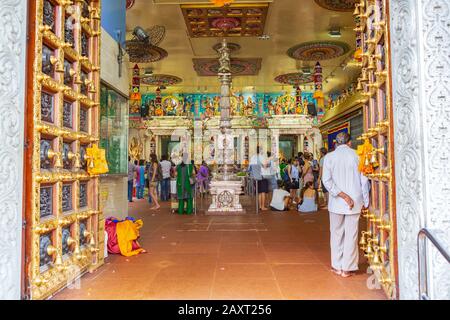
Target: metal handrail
[(424, 234)]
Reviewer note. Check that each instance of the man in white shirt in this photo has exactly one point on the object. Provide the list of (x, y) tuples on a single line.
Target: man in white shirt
[(165, 182), (348, 194)]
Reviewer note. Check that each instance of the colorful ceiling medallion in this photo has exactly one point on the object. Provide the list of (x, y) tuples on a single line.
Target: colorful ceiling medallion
[(318, 50), (239, 66), (225, 23), (234, 20), (141, 52), (130, 3), (161, 80), (337, 5), (294, 79), (231, 45)]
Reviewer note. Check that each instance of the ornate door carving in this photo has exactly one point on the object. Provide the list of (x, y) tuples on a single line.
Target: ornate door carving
[(64, 234), (379, 240)]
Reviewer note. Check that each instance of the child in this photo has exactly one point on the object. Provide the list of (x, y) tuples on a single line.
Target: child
[(308, 198)]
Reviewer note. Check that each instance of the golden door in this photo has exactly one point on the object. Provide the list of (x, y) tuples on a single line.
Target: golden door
[(379, 240), (64, 228)]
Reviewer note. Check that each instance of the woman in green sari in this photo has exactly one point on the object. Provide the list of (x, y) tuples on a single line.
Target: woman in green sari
[(185, 181)]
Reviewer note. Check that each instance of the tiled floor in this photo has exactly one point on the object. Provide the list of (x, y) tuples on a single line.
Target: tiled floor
[(266, 256)]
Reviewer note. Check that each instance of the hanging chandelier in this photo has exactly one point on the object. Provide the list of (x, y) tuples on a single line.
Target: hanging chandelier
[(221, 3)]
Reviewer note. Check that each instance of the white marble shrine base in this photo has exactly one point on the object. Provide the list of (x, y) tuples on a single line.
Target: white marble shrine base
[(225, 197)]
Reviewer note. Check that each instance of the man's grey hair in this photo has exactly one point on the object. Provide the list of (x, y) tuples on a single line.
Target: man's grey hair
[(342, 138)]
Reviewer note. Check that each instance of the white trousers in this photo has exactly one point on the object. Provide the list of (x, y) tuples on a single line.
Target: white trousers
[(344, 241)]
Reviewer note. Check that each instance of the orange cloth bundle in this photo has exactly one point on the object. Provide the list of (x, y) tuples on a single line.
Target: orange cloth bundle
[(97, 163), (127, 233), (364, 151)]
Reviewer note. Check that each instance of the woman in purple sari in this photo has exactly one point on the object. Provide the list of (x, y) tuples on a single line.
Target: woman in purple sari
[(203, 178)]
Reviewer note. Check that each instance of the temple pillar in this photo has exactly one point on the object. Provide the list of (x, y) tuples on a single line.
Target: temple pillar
[(275, 143), (263, 138), (252, 143), (420, 73), (301, 143), (12, 108), (198, 142)]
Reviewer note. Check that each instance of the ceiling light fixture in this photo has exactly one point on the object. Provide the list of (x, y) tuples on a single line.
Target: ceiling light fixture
[(335, 33), (264, 37), (306, 71)]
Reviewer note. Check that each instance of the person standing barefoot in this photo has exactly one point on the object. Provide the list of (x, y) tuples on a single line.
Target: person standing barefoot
[(154, 176), (349, 194)]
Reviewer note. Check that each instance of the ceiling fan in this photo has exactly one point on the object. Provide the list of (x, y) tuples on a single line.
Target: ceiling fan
[(143, 46)]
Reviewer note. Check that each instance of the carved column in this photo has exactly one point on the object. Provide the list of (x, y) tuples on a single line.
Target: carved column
[(198, 142), (275, 142), (301, 143), (421, 101), (13, 30)]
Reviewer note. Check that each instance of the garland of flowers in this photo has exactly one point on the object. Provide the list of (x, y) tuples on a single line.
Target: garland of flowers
[(367, 157)]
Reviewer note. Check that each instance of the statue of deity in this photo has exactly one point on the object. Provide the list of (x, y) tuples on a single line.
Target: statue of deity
[(329, 103), (234, 106), (278, 108), (209, 112), (136, 148), (216, 105), (305, 106), (224, 59), (298, 109), (292, 106), (260, 107), (170, 105), (250, 106), (159, 111), (270, 107), (241, 105), (151, 107)]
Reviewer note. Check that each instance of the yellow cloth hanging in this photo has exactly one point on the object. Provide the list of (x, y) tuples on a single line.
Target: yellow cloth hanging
[(358, 54), (96, 160), (320, 98), (127, 231), (364, 151)]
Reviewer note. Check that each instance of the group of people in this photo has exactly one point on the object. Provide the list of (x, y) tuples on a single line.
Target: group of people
[(289, 183), (336, 173), (166, 181)]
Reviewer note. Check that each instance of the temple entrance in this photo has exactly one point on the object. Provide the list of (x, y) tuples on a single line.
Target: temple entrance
[(219, 87), (168, 145), (288, 147), (65, 229)]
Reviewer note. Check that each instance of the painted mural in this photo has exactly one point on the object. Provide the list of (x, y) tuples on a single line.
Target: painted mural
[(201, 105)]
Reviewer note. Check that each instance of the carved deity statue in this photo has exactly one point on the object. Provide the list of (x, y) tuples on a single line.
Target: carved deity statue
[(271, 107), (136, 149), (250, 106), (260, 107), (278, 108), (241, 105), (224, 58), (216, 105)]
